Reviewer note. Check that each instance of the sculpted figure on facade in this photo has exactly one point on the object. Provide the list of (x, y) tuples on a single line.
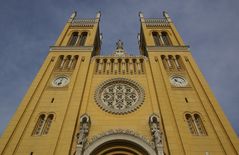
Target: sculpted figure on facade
[(156, 133), (119, 45), (82, 134)]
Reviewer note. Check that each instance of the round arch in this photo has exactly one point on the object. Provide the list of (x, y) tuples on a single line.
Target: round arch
[(119, 144)]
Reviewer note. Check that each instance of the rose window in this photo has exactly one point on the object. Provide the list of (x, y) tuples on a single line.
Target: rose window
[(119, 96)]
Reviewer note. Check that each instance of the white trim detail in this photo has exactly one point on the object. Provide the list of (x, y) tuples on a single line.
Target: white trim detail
[(120, 135)]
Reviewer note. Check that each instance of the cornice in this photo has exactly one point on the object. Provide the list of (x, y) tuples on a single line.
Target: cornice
[(155, 22), (71, 48), (84, 22), (119, 57), (168, 48)]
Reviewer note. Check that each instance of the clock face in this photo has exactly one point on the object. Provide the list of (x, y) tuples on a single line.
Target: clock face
[(178, 81), (60, 81)]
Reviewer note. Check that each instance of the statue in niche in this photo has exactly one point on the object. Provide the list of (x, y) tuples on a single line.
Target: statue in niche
[(82, 135), (156, 133)]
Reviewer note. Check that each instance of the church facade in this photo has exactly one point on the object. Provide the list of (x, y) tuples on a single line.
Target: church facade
[(85, 103)]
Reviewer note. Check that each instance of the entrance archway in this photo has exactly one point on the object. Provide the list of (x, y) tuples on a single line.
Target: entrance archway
[(119, 147), (119, 144)]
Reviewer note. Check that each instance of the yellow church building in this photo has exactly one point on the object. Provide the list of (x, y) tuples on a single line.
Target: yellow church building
[(85, 103)]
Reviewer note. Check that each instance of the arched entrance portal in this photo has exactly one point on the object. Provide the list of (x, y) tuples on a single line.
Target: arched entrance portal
[(119, 144), (119, 147)]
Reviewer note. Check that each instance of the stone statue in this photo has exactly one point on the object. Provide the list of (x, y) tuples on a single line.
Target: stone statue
[(156, 133), (119, 45), (82, 135)]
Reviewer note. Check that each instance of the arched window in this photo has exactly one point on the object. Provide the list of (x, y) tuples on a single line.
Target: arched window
[(73, 39), (170, 61), (47, 124), (67, 62), (39, 125), (74, 61), (164, 60), (199, 125), (156, 38), (59, 62), (43, 124), (191, 124), (178, 61), (82, 39), (166, 39)]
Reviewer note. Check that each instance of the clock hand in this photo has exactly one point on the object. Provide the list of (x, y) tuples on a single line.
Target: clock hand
[(60, 82)]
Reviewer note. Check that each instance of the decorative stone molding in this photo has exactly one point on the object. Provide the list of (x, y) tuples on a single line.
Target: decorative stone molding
[(156, 133), (119, 132), (120, 52), (117, 57), (82, 134), (84, 22), (155, 22), (119, 96), (71, 48), (168, 48)]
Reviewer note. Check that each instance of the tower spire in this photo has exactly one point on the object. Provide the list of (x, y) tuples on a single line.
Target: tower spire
[(73, 15)]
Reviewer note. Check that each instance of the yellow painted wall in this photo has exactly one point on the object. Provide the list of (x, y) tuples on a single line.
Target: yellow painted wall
[(77, 98)]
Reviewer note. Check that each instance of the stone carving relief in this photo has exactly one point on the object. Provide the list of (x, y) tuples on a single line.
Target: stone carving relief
[(119, 131), (119, 96), (82, 134), (156, 133)]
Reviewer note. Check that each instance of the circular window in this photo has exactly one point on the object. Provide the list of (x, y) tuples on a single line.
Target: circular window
[(119, 96)]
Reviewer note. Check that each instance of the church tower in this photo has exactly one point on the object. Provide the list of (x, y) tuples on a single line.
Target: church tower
[(85, 103)]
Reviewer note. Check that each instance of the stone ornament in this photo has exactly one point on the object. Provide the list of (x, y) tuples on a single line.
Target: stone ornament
[(119, 52), (82, 134), (119, 96), (156, 133), (119, 131)]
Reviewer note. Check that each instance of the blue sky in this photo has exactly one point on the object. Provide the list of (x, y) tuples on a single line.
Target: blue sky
[(29, 27)]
